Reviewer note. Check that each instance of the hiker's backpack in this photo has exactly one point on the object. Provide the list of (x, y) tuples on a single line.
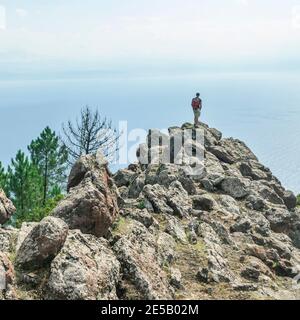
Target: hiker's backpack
[(196, 103)]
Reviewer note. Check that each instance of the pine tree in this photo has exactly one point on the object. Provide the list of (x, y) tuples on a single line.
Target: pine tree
[(89, 134), (24, 184), (50, 157), (3, 179)]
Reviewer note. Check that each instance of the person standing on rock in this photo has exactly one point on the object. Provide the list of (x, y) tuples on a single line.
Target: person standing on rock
[(197, 106)]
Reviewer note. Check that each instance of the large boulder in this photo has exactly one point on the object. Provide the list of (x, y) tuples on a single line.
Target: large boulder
[(42, 243), (91, 204), (7, 208), (85, 269)]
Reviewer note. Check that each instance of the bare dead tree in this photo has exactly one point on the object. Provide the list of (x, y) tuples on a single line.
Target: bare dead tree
[(88, 134)]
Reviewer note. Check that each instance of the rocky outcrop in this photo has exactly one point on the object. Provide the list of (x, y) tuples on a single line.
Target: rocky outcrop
[(220, 226), (7, 208), (216, 215), (91, 204), (85, 269)]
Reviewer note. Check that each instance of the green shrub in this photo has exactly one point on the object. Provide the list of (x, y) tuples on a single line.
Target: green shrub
[(141, 205), (38, 213)]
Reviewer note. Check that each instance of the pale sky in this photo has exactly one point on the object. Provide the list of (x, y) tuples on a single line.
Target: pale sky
[(73, 34)]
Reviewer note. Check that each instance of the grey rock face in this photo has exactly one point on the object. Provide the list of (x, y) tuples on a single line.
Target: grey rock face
[(166, 248), (217, 268), (204, 202), (175, 229), (85, 269), (124, 177), (7, 208), (235, 187), (137, 252), (289, 199), (175, 278), (8, 239), (42, 244)]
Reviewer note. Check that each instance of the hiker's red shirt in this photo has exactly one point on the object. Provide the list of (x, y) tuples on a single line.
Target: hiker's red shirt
[(196, 103)]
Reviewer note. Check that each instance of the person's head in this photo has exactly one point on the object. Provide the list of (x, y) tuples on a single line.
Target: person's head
[(197, 94)]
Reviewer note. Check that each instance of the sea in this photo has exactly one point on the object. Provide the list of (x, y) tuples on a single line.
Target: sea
[(261, 109)]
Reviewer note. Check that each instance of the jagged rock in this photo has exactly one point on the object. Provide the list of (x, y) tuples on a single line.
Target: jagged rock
[(178, 199), (204, 202), (218, 270), (187, 126), (245, 287), (142, 216), (229, 204), (243, 225), (156, 195), (124, 177), (254, 170), (222, 154), (188, 184), (214, 172), (7, 208), (216, 133), (235, 187), (290, 199), (7, 278), (91, 205), (255, 203), (203, 275), (137, 252), (86, 165), (267, 193), (166, 248), (8, 239), (261, 224), (42, 244), (175, 278), (222, 232), (175, 229), (136, 186), (237, 149), (175, 200), (25, 229), (280, 220), (85, 269), (250, 273)]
